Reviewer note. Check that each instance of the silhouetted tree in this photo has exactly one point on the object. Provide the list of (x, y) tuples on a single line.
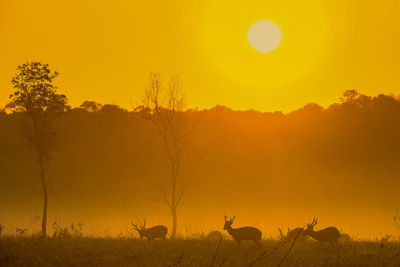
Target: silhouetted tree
[(355, 98), (112, 109), (37, 100), (91, 106), (175, 129)]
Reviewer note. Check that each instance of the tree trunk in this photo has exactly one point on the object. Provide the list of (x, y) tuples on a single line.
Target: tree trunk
[(174, 203), (174, 222), (45, 196)]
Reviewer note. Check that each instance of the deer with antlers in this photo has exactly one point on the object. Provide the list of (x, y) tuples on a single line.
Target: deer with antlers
[(329, 235), (158, 231), (243, 233)]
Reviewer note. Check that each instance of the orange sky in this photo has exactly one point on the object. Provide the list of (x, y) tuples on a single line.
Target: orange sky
[(104, 49)]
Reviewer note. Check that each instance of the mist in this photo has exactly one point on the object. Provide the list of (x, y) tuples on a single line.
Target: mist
[(270, 170)]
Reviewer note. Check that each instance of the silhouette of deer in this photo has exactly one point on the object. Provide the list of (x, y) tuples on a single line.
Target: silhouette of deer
[(298, 233), (329, 235), (243, 233), (158, 231), (345, 237), (214, 235)]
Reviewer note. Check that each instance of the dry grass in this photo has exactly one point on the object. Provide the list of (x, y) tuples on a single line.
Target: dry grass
[(90, 251)]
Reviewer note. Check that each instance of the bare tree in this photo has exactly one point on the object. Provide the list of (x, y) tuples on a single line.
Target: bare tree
[(37, 101), (175, 127)]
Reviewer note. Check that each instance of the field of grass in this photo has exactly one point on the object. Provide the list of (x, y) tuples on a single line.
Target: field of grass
[(93, 251)]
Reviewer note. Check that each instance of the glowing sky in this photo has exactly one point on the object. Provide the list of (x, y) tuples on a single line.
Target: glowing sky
[(105, 49)]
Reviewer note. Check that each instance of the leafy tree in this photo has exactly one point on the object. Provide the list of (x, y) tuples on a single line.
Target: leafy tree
[(40, 105), (91, 106), (355, 98)]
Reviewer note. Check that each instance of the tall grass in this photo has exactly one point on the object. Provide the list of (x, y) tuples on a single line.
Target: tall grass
[(80, 250)]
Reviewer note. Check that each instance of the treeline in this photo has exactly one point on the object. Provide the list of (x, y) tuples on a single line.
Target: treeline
[(338, 163)]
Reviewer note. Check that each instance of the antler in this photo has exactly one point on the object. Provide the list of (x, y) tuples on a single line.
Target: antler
[(135, 226), (144, 224), (230, 220), (314, 222)]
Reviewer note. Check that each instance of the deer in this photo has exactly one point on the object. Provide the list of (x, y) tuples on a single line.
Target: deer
[(158, 231), (297, 233), (329, 235), (214, 235), (243, 233), (345, 237)]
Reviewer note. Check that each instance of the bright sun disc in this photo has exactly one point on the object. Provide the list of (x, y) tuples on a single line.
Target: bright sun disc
[(264, 36)]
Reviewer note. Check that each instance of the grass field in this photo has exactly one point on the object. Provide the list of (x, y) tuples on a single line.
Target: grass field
[(91, 251)]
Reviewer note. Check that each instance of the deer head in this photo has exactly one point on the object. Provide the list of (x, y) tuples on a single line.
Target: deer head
[(140, 229), (228, 223), (310, 226)]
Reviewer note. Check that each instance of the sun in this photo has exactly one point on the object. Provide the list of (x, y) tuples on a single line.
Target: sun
[(264, 36), (262, 46)]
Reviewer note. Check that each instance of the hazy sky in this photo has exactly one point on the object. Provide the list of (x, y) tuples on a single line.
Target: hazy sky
[(105, 49)]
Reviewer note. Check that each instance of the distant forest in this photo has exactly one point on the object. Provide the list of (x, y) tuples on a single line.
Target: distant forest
[(337, 162)]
